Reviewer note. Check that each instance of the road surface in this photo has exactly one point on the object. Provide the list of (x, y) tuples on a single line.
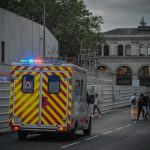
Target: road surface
[(113, 131)]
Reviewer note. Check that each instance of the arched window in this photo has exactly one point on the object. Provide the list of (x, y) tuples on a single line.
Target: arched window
[(104, 69), (148, 50), (106, 50), (143, 51), (120, 50), (144, 76), (128, 50), (99, 50), (124, 76), (105, 73)]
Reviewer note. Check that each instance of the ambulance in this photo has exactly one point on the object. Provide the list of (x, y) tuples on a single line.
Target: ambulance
[(48, 97)]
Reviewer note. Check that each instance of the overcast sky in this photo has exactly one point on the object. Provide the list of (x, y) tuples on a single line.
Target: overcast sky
[(120, 13)]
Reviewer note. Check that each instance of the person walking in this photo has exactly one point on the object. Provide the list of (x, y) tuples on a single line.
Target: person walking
[(149, 105), (134, 106), (145, 105), (96, 105), (140, 103)]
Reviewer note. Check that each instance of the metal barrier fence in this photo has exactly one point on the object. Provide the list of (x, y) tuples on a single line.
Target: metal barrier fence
[(4, 105), (113, 97)]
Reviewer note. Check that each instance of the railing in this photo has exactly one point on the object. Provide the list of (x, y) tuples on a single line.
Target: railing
[(113, 97), (4, 105)]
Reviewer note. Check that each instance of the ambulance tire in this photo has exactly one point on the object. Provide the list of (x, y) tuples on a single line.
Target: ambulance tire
[(72, 134), (22, 135), (88, 130)]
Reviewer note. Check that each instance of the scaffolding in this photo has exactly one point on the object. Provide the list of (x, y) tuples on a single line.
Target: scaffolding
[(88, 57)]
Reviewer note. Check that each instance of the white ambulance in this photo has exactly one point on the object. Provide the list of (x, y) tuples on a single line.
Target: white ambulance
[(48, 97)]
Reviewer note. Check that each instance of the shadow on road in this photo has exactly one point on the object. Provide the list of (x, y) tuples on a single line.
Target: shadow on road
[(51, 137)]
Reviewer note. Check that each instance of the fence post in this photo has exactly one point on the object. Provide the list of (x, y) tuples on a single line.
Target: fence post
[(113, 97)]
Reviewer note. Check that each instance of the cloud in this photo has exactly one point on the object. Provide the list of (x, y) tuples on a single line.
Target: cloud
[(120, 13)]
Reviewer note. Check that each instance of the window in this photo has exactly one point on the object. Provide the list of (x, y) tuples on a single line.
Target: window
[(3, 52), (124, 76), (77, 87), (99, 50), (128, 50), (144, 76), (120, 50), (148, 49), (142, 50), (53, 84), (28, 84), (106, 50)]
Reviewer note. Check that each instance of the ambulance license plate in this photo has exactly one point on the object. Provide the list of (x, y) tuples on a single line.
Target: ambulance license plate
[(17, 120)]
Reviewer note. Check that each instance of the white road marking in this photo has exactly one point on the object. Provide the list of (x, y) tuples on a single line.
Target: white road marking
[(128, 125), (107, 132), (91, 138), (70, 145), (135, 122), (119, 128)]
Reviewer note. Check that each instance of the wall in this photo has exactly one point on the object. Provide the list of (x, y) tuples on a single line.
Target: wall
[(24, 38)]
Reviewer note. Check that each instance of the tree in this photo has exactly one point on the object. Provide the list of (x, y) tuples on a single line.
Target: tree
[(142, 22), (69, 20)]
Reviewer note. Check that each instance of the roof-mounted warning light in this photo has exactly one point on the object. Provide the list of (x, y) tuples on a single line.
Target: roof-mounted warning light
[(31, 60)]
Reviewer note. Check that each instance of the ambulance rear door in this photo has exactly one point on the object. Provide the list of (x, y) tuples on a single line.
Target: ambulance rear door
[(55, 106), (26, 97)]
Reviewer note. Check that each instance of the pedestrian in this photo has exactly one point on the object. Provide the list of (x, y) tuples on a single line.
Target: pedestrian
[(140, 103), (145, 105), (96, 105), (134, 106), (149, 105)]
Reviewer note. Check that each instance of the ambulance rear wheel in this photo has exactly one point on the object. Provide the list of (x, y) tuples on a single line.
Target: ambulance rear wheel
[(88, 130), (22, 135)]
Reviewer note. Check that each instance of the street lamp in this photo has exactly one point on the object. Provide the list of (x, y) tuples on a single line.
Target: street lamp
[(44, 29)]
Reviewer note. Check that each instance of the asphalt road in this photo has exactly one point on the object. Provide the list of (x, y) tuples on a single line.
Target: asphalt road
[(113, 131)]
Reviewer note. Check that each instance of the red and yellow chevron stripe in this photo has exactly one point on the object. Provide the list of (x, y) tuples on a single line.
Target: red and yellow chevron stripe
[(26, 105)]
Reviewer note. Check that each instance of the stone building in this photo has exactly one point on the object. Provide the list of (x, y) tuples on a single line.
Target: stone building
[(125, 56)]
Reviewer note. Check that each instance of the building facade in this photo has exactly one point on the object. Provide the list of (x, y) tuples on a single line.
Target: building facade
[(125, 56), (22, 38)]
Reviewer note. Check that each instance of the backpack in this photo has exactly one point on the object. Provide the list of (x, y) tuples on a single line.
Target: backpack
[(92, 99), (133, 101)]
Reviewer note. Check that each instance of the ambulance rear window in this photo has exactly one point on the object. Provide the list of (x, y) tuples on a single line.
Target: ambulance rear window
[(28, 84), (53, 84)]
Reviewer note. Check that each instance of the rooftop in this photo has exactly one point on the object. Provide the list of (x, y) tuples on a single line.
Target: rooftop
[(142, 30)]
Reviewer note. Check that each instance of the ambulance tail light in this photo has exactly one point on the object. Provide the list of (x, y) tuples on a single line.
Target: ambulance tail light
[(62, 129), (15, 127)]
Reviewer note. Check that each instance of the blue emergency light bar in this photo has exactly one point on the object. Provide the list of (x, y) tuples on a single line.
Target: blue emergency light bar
[(41, 61), (31, 61)]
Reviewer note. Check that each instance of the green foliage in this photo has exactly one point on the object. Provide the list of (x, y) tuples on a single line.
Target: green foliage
[(69, 20)]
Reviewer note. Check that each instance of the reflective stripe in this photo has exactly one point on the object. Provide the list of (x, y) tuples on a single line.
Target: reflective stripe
[(27, 104)]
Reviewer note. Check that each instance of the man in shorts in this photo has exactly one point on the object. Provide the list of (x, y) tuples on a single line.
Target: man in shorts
[(134, 106)]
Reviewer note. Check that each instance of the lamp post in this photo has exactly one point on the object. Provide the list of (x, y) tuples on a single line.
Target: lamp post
[(44, 29)]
